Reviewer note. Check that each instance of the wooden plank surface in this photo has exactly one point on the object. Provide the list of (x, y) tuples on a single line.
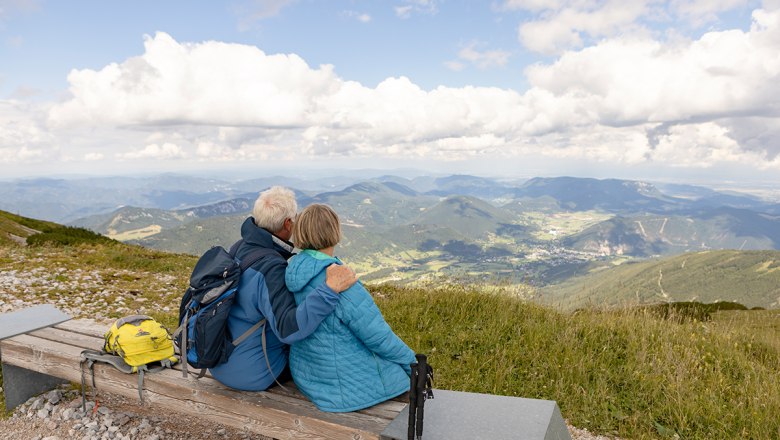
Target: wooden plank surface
[(275, 414)]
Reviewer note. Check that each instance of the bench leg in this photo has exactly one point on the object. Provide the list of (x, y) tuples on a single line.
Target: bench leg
[(20, 384)]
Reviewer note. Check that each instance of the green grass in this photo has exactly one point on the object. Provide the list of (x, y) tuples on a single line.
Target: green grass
[(628, 372), (751, 278), (47, 232), (636, 373)]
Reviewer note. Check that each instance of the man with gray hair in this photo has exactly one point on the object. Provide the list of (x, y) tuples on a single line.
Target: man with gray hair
[(262, 293)]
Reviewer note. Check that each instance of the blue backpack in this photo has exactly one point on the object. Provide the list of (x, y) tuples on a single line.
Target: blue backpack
[(203, 338)]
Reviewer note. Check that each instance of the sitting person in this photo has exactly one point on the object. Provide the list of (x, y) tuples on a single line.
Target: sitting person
[(353, 360)]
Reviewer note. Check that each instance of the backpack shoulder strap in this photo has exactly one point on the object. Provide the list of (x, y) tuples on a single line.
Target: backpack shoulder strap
[(234, 248), (246, 334), (256, 255), (89, 357), (253, 256), (268, 362)]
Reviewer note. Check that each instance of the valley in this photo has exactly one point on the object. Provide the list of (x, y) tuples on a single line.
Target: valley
[(544, 238)]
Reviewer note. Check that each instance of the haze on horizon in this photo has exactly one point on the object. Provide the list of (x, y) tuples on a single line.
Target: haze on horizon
[(684, 90)]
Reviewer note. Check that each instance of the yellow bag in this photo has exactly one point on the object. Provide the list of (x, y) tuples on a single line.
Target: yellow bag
[(140, 340)]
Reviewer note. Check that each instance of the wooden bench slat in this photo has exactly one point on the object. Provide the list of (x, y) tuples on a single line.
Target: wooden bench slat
[(262, 412), (84, 326), (70, 338)]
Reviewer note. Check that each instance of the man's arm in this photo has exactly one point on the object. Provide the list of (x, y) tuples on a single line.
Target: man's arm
[(292, 323)]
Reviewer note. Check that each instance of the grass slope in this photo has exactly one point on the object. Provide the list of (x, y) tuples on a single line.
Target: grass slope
[(751, 278), (626, 372), (14, 228)]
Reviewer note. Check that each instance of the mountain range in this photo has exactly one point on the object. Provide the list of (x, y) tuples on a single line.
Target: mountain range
[(541, 230)]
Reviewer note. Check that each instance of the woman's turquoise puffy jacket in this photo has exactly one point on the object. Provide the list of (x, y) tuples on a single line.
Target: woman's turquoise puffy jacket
[(353, 360)]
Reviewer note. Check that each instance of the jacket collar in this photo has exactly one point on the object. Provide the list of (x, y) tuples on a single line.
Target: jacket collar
[(256, 236)]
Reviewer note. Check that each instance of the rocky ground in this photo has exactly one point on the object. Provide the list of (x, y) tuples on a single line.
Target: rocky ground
[(58, 415)]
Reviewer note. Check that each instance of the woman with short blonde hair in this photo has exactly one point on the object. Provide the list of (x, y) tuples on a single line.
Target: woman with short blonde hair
[(353, 360), (318, 228)]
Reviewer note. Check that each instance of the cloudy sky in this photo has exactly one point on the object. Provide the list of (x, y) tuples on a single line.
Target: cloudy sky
[(680, 89)]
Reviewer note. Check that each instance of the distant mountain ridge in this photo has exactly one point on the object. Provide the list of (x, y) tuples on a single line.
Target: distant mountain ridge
[(648, 222), (705, 229), (609, 194)]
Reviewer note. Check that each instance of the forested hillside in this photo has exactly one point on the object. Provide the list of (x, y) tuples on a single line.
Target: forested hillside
[(751, 278)]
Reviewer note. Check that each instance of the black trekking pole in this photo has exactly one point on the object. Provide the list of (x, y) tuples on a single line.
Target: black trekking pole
[(421, 389), (412, 401)]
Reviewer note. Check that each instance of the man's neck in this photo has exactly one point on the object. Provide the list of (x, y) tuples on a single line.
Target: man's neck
[(284, 244)]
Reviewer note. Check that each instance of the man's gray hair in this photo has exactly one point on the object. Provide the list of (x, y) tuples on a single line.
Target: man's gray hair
[(273, 207)]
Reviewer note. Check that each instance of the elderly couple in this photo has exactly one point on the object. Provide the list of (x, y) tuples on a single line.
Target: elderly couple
[(344, 356)]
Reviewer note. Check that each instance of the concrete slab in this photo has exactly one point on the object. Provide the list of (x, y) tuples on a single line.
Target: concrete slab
[(455, 415), (21, 384), (29, 319)]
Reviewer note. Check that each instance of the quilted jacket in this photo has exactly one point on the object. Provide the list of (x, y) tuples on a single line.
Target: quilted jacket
[(353, 360)]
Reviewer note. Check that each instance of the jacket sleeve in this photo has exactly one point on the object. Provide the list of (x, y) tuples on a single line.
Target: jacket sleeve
[(289, 322), (360, 313)]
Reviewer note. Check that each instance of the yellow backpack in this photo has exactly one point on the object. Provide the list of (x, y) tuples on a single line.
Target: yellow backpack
[(133, 344), (140, 340)]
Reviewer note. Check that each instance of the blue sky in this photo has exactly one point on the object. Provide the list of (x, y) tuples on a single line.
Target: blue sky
[(48, 39), (681, 89)]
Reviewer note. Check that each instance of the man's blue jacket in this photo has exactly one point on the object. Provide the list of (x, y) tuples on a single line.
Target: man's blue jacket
[(262, 293)]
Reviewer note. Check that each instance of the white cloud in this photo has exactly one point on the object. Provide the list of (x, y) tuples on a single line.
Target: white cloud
[(22, 154), (23, 136), (165, 151), (483, 59), (567, 27), (698, 145), (189, 83), (455, 66), (359, 16), (94, 157), (560, 25), (252, 11), (628, 80), (626, 100), (416, 6), (700, 12), (403, 11)]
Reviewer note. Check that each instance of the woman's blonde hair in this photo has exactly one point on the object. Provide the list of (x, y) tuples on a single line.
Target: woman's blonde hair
[(316, 227)]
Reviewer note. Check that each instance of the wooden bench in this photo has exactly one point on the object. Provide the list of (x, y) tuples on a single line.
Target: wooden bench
[(42, 358), (55, 351)]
